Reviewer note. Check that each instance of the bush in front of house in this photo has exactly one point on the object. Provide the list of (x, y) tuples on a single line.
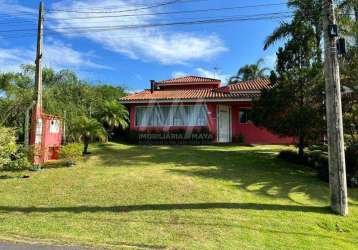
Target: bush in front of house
[(71, 153), (19, 160), (12, 156), (199, 135), (318, 160), (7, 146), (352, 163), (290, 156), (240, 139)]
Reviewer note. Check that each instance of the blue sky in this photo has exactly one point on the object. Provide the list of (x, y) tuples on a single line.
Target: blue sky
[(132, 57)]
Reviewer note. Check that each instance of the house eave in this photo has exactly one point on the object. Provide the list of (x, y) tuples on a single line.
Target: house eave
[(185, 100)]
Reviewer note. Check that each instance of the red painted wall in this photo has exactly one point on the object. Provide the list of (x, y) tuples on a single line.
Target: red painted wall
[(251, 133)]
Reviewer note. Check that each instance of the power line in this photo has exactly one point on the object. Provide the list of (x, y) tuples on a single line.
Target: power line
[(169, 13), (10, 14), (263, 16), (111, 22), (19, 22), (143, 26), (128, 10)]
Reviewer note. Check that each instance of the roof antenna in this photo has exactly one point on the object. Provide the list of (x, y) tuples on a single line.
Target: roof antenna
[(216, 71)]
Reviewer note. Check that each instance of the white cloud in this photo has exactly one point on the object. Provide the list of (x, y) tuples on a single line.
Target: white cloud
[(204, 73), (11, 59), (212, 74), (56, 55), (13, 8), (59, 56), (177, 74), (153, 44)]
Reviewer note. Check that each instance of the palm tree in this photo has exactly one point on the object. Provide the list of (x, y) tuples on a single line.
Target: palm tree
[(86, 130), (249, 72), (114, 115), (307, 18)]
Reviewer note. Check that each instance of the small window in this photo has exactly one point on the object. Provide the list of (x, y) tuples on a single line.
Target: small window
[(54, 126), (245, 116)]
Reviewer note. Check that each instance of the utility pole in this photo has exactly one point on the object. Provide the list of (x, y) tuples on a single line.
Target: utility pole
[(337, 166), (38, 73), (36, 119)]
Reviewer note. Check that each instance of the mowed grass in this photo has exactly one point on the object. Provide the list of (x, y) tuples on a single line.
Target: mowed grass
[(177, 197)]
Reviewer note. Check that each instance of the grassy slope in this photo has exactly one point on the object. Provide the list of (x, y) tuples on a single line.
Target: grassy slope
[(177, 197)]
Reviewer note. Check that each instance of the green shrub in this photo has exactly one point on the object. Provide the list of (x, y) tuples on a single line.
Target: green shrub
[(7, 145), (71, 153), (196, 136), (12, 156), (240, 139), (290, 156), (20, 159), (352, 164), (318, 160)]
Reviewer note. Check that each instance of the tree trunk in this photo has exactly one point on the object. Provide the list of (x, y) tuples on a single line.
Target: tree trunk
[(301, 147), (85, 146), (356, 21)]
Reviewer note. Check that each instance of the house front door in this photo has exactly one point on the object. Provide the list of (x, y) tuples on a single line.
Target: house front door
[(224, 124)]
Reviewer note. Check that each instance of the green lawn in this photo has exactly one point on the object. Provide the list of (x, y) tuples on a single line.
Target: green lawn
[(177, 197)]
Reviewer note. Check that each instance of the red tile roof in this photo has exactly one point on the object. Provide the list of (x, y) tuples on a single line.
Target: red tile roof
[(189, 80), (243, 90), (257, 84), (192, 94)]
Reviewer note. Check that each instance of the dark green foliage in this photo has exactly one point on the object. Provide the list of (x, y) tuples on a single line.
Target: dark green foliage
[(307, 13), (63, 92), (240, 139), (87, 130), (352, 160), (290, 156), (294, 105), (350, 98), (114, 115), (19, 160), (318, 160)]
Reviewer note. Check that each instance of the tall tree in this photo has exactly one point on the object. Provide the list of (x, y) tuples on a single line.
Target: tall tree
[(63, 91), (250, 72), (293, 106)]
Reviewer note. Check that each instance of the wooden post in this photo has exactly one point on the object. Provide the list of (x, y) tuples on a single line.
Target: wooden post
[(337, 167)]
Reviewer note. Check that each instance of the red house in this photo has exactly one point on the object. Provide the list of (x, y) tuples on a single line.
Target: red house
[(193, 103)]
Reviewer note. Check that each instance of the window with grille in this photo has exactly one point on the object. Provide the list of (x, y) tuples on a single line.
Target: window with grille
[(168, 116)]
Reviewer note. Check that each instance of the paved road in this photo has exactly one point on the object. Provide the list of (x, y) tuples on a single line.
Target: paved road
[(22, 246)]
